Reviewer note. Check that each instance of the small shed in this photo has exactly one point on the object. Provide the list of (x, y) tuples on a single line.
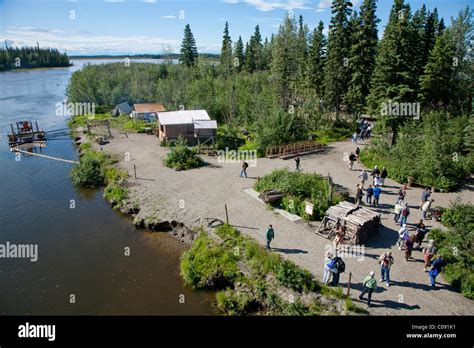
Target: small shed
[(194, 125), (147, 112), (122, 109)]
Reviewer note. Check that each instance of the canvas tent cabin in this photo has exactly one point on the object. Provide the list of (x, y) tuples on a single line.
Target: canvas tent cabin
[(122, 109), (194, 125), (147, 112)]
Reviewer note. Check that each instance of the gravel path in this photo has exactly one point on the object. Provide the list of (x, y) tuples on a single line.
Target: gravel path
[(190, 196)]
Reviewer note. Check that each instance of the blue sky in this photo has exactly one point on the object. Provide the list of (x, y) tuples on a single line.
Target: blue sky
[(155, 26)]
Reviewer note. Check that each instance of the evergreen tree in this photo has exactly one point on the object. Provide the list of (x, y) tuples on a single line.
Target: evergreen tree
[(226, 50), (254, 55), (337, 63), (315, 64), (394, 76), (188, 53), (362, 57), (284, 61), (239, 55), (302, 53), (437, 81)]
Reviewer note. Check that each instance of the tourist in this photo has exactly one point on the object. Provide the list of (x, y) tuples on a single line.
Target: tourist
[(397, 211), (370, 193), (401, 194), (368, 286), (377, 180), (363, 176), (327, 269), (339, 238), (425, 196), (377, 192), (420, 233), (402, 236), (270, 235), (352, 159), (354, 138), (383, 175), (386, 261), (404, 214), (425, 209), (358, 154), (375, 171), (359, 195), (243, 172), (369, 131), (297, 160), (339, 267), (428, 253), (436, 267), (409, 242)]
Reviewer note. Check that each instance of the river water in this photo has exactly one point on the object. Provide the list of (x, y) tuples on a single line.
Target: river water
[(83, 265)]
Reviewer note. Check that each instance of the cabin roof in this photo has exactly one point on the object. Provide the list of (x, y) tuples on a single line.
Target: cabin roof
[(124, 107), (182, 117), (205, 124), (148, 107)]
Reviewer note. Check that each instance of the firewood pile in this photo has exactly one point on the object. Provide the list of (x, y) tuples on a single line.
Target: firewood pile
[(271, 196), (361, 224)]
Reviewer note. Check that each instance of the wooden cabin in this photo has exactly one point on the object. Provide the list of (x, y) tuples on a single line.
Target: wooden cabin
[(194, 125), (122, 109)]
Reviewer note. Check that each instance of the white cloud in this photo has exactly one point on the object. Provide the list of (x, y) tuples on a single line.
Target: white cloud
[(270, 5), (150, 1), (324, 5), (169, 16)]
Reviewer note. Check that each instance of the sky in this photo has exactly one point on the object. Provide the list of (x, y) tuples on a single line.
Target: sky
[(92, 27)]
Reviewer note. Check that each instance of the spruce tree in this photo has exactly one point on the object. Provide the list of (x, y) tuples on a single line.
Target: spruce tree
[(336, 69), (226, 51), (188, 53), (362, 56), (315, 64), (254, 55), (302, 53), (239, 55)]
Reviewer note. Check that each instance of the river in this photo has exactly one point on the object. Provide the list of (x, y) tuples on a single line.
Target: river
[(83, 265)]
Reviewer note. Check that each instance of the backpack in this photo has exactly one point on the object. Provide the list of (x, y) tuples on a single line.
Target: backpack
[(405, 212), (340, 265), (332, 263)]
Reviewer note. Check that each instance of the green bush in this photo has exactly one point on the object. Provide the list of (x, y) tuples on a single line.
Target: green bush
[(456, 246), (208, 266), (181, 157), (233, 303), (294, 277), (299, 188), (90, 170)]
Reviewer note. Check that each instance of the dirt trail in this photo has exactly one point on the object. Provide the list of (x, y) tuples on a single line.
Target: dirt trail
[(191, 196)]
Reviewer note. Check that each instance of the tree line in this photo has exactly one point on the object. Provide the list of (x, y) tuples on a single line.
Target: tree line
[(31, 57)]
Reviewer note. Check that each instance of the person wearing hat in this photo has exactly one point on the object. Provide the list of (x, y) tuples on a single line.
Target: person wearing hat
[(368, 286), (327, 270), (402, 236), (428, 253)]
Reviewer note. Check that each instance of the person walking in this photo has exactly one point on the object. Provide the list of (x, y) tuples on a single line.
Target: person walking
[(377, 180), (401, 194), (386, 261), (370, 193), (377, 192), (327, 270), (428, 253), (354, 138), (363, 176), (426, 208), (397, 210), (402, 236), (420, 233), (270, 235), (409, 242), (368, 286), (243, 172), (425, 196), (297, 160), (375, 171), (358, 154), (383, 175), (352, 159), (436, 267), (404, 214)]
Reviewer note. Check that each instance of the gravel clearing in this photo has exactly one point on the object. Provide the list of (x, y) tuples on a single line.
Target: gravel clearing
[(193, 195)]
